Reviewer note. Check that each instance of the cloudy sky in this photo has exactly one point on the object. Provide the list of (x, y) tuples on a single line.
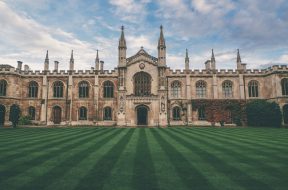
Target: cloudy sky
[(30, 27)]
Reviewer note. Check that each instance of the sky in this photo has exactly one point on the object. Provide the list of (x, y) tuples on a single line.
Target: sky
[(30, 27)]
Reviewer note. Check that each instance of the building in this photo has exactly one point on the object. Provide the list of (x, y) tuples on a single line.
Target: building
[(142, 90)]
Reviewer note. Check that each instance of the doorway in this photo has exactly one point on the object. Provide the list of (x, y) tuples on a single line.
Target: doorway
[(57, 115), (142, 115), (2, 115)]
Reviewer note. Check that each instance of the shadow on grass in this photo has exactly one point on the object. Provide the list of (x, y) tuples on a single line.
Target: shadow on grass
[(98, 175), (65, 165), (21, 167), (189, 175), (233, 173), (144, 176)]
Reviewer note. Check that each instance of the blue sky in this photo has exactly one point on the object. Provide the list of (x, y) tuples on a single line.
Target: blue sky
[(30, 27)]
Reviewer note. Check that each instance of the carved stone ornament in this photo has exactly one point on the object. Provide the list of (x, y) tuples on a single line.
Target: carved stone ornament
[(142, 66)]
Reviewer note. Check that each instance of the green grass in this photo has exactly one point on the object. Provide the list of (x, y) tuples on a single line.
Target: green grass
[(143, 158)]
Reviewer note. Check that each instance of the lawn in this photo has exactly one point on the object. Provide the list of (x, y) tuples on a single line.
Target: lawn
[(143, 158)]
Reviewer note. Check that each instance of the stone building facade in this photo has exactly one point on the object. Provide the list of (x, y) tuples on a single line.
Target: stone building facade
[(141, 90)]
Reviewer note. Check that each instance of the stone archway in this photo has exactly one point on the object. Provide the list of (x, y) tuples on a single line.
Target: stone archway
[(57, 115), (2, 115), (142, 115)]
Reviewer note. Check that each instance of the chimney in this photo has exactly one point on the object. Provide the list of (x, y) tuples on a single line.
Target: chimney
[(101, 65), (19, 66), (208, 65), (56, 63), (26, 68)]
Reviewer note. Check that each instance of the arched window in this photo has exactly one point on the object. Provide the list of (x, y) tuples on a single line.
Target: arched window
[(58, 89), (176, 113), (108, 89), (83, 89), (201, 113), (284, 84), (32, 112), (142, 84), (33, 89), (201, 89), (3, 87), (107, 115), (253, 88), (175, 89), (82, 113), (227, 89)]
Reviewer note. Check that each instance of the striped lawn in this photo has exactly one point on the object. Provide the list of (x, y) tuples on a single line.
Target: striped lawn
[(144, 158)]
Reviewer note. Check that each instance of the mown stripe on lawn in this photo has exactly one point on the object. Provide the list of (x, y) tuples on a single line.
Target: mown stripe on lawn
[(98, 175), (68, 160), (189, 175), (62, 145), (144, 172), (23, 151), (236, 174)]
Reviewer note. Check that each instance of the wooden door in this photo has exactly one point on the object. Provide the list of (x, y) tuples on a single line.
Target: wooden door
[(57, 115)]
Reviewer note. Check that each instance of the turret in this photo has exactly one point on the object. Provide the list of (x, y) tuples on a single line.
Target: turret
[(186, 61), (213, 61), (97, 61), (46, 62), (71, 65), (161, 48), (19, 65), (56, 64), (239, 65), (122, 49)]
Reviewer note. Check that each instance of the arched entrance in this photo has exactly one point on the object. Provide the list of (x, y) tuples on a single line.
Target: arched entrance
[(2, 115), (142, 115), (57, 115), (285, 114)]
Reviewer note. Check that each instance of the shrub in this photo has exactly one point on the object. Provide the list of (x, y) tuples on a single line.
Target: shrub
[(25, 120), (263, 113), (14, 115)]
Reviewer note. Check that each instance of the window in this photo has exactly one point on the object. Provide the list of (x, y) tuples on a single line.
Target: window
[(227, 89), (108, 89), (284, 84), (82, 113), (176, 113), (32, 112), (58, 89), (253, 88), (142, 84), (175, 89), (83, 89), (33, 89), (201, 113), (3, 87), (201, 89), (107, 113)]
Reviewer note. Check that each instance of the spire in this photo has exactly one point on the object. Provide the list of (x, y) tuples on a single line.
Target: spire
[(186, 60), (238, 56), (46, 62), (97, 61), (71, 67), (122, 41), (213, 61), (161, 41)]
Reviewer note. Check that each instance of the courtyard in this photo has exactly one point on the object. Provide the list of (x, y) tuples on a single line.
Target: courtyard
[(143, 158)]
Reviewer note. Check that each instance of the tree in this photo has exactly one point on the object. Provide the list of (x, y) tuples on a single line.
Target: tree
[(14, 115), (263, 113)]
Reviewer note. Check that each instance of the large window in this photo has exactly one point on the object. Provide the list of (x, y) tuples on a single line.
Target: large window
[(3, 87), (83, 89), (33, 89), (175, 89), (82, 113), (176, 113), (142, 84), (227, 89), (284, 84), (201, 89), (107, 115), (58, 89), (201, 113), (32, 112), (253, 88), (108, 89)]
